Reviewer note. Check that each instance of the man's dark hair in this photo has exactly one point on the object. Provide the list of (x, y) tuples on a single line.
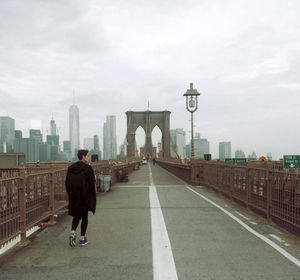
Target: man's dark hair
[(82, 153)]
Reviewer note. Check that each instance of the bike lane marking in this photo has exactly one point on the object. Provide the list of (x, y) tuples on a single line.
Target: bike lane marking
[(163, 261), (265, 239)]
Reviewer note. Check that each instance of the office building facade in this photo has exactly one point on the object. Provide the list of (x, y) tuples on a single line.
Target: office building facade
[(178, 143), (96, 143), (88, 143), (224, 150), (36, 134), (239, 154), (52, 127), (30, 147), (109, 138), (7, 134), (201, 146), (18, 134), (74, 130)]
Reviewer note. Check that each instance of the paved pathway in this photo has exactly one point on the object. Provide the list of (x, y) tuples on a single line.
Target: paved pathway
[(181, 236)]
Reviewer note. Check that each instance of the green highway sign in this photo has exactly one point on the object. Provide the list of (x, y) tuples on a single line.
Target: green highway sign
[(238, 161), (228, 160), (292, 161)]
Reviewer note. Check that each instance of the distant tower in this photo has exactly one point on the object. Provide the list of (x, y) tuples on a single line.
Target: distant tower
[(240, 154), (7, 134), (178, 143), (224, 150), (53, 127), (109, 138), (74, 127), (96, 143)]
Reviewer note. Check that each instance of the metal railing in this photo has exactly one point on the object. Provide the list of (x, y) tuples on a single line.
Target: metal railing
[(30, 195), (274, 194), (27, 199)]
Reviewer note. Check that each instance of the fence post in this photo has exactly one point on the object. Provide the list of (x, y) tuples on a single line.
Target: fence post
[(231, 180), (218, 180), (269, 196), (192, 173), (51, 197), (22, 201), (248, 187)]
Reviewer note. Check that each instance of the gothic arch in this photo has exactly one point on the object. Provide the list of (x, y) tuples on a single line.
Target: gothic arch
[(148, 120)]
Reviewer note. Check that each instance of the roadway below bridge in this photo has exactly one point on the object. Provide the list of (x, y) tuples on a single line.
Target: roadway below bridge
[(157, 227)]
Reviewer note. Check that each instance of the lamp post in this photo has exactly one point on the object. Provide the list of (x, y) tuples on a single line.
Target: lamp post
[(192, 105)]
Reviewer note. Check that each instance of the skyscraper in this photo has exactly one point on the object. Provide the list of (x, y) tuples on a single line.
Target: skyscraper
[(53, 141), (201, 146), (96, 143), (109, 138), (88, 143), (28, 146), (74, 128), (18, 134), (52, 127), (178, 143), (67, 146), (36, 134), (224, 150), (7, 134), (67, 154), (240, 154)]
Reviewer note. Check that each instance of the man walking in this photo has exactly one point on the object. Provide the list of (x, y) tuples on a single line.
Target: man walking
[(80, 186)]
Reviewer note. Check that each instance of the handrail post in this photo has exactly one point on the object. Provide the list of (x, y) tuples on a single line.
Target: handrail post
[(269, 195), (22, 201), (248, 187), (192, 173), (231, 180), (51, 197)]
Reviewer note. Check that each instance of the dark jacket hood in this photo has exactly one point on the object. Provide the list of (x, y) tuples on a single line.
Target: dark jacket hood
[(78, 167)]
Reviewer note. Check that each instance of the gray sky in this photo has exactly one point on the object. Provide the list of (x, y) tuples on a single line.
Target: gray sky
[(242, 56)]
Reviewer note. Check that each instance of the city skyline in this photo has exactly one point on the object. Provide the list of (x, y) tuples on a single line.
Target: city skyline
[(140, 137), (243, 59)]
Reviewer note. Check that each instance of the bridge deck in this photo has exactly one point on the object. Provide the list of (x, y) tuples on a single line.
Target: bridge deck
[(128, 241)]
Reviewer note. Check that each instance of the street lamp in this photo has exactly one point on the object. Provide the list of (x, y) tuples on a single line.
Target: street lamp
[(192, 105)]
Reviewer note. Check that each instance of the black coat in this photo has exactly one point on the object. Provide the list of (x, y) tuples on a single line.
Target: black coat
[(87, 198)]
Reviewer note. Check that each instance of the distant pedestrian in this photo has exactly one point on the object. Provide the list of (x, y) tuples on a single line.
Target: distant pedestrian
[(153, 161), (80, 186)]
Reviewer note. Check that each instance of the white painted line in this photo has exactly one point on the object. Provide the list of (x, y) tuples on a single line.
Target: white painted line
[(170, 186), (150, 177), (242, 215), (267, 240), (246, 218), (131, 186), (163, 261), (277, 238)]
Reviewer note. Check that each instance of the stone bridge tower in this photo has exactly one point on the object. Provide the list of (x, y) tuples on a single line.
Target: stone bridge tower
[(148, 120)]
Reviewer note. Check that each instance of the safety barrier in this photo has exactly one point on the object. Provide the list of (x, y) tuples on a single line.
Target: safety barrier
[(274, 194)]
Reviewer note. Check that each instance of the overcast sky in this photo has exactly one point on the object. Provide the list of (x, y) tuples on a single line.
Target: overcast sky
[(242, 56)]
